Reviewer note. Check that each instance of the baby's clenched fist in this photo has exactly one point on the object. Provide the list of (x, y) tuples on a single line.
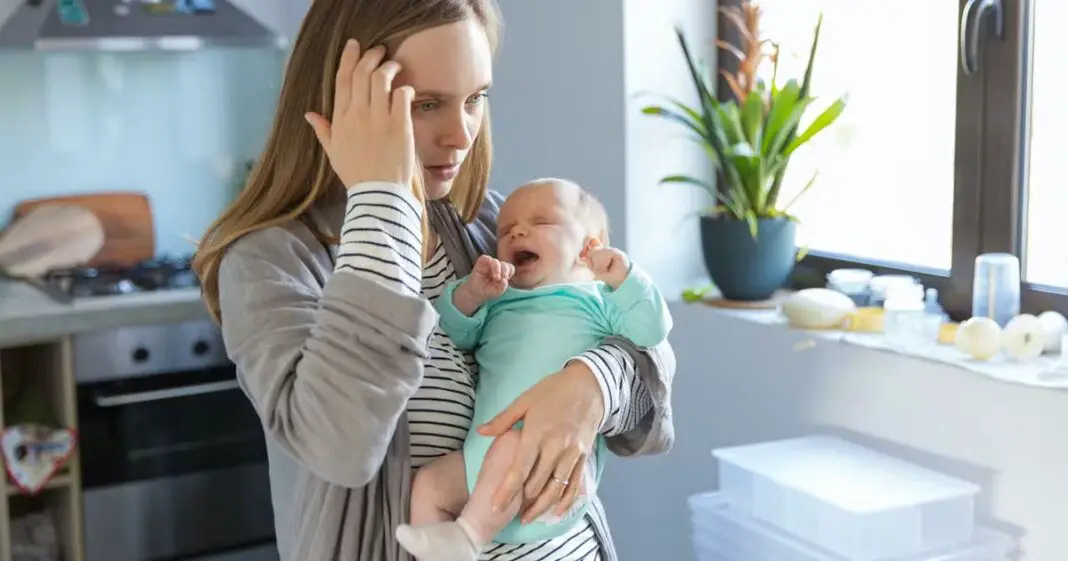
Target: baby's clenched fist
[(488, 280), (609, 265)]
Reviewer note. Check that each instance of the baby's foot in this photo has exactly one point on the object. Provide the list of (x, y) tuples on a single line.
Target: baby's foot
[(442, 541)]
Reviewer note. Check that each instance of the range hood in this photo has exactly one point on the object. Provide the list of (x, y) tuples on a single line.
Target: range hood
[(134, 25)]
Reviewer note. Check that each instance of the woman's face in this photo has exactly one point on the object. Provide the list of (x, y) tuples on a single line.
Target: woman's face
[(450, 68)]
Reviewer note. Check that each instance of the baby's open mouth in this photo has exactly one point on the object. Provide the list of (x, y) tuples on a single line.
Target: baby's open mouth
[(524, 258)]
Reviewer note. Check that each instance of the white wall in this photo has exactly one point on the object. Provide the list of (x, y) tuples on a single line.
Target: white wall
[(562, 105), (662, 228), (557, 100), (568, 89), (740, 382)]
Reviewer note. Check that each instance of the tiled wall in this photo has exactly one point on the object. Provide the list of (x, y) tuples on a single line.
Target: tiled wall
[(177, 126)]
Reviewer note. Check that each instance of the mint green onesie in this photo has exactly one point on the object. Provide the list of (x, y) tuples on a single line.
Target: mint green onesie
[(525, 336)]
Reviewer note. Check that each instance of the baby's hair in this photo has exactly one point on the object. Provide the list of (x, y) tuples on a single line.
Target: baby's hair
[(596, 217), (593, 213)]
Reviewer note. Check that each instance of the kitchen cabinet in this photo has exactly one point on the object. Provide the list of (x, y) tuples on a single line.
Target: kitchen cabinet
[(47, 368), (105, 348)]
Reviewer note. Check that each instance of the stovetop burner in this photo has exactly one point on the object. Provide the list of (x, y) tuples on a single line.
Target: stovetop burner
[(159, 273)]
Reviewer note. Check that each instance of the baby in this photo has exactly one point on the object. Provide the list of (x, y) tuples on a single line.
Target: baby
[(556, 290)]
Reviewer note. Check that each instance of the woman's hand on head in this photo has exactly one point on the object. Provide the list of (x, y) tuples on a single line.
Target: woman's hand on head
[(370, 137), (561, 416)]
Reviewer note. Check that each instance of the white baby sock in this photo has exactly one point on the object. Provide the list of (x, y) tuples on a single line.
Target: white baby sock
[(442, 541)]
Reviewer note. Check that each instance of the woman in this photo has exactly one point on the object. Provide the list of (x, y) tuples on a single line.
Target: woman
[(322, 274)]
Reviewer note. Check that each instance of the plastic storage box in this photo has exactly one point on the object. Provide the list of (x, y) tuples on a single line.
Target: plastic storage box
[(723, 533), (853, 501)]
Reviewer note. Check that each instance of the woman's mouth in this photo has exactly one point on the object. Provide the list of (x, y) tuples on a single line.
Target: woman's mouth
[(442, 173)]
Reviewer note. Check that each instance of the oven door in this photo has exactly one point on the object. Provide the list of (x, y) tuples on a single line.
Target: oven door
[(175, 467)]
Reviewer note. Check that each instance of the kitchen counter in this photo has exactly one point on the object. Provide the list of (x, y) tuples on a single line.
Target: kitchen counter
[(27, 315)]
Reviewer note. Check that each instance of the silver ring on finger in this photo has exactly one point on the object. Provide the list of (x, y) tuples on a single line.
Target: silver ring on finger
[(562, 482)]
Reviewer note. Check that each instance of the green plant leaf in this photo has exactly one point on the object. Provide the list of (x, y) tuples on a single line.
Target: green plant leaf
[(811, 182), (806, 86), (806, 82), (741, 149), (753, 118), (751, 219), (775, 68), (789, 127), (726, 199), (729, 119), (693, 125), (783, 104), (693, 115), (710, 151), (747, 165), (704, 95), (689, 112), (686, 179), (696, 294), (822, 121)]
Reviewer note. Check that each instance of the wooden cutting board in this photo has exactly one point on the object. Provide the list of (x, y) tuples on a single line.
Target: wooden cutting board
[(129, 229)]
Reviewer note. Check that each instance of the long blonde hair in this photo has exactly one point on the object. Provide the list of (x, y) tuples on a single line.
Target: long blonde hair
[(293, 172)]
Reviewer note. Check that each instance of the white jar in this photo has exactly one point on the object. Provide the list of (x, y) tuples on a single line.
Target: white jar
[(853, 283), (905, 318), (883, 285)]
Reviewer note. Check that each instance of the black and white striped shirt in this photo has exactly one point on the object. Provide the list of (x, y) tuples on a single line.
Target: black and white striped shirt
[(381, 239)]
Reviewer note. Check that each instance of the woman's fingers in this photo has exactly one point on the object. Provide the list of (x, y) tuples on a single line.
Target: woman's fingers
[(550, 462), (575, 487), (321, 127), (382, 87), (525, 457), (350, 55), (401, 108), (506, 420), (555, 490), (361, 78)]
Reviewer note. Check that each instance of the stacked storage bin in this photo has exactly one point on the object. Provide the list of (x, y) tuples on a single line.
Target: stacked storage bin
[(821, 498)]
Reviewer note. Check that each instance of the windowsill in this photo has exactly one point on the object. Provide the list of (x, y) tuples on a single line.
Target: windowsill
[(1043, 372)]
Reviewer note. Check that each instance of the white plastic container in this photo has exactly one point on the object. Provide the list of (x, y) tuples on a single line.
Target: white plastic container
[(853, 501), (722, 533)]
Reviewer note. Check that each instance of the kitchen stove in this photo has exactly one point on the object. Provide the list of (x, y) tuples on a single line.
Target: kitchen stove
[(174, 460), (163, 272)]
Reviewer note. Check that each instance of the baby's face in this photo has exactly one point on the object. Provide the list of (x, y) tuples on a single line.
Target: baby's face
[(540, 232)]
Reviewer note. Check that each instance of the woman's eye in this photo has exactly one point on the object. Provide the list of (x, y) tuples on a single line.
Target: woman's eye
[(426, 106), (476, 99)]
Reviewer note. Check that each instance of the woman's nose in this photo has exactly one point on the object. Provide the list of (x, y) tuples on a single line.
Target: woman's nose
[(458, 131)]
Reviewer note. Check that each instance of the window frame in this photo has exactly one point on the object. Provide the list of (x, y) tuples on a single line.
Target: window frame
[(989, 192)]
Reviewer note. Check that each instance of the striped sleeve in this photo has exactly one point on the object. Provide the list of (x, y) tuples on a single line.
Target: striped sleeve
[(382, 236), (626, 401)]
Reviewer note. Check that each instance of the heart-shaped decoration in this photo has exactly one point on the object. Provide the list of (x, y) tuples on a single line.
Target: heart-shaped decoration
[(33, 454)]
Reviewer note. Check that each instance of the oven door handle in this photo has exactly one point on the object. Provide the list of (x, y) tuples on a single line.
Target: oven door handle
[(169, 393)]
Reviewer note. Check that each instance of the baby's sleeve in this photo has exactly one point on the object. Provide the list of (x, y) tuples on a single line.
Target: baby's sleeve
[(637, 311), (465, 331)]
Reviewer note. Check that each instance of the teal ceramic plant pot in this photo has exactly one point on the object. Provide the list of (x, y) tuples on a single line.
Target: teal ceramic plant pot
[(745, 268)]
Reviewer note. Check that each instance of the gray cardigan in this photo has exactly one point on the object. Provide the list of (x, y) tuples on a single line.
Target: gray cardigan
[(329, 362)]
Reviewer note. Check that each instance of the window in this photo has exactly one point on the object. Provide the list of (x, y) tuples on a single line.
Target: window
[(945, 150), (1046, 187), (874, 165)]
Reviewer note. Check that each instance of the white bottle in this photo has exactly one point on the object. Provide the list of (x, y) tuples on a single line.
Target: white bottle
[(905, 314)]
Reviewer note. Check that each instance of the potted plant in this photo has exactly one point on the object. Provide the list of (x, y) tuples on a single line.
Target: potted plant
[(749, 237)]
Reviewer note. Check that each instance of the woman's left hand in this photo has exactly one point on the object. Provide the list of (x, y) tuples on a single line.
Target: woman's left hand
[(561, 416)]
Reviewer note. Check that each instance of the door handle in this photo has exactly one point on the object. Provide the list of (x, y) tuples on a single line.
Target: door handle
[(169, 393), (972, 20)]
